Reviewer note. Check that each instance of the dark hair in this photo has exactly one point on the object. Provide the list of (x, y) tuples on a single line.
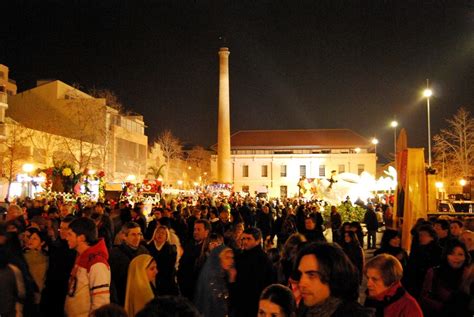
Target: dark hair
[(459, 222), (336, 270), (68, 219), (429, 229), (388, 235), (443, 223), (109, 310), (281, 296), (205, 223), (33, 230), (255, 232), (169, 306), (450, 246), (85, 226), (53, 210), (353, 236), (274, 255), (130, 225)]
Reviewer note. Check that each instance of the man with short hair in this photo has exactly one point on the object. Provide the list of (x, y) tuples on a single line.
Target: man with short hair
[(189, 267), (456, 228), (61, 262), (89, 281), (255, 272), (372, 224), (120, 258), (441, 226), (328, 282)]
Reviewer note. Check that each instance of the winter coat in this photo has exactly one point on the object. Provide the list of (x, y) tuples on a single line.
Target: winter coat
[(395, 301), (188, 271), (120, 258), (60, 266), (254, 273), (370, 220), (165, 259), (89, 283), (420, 260)]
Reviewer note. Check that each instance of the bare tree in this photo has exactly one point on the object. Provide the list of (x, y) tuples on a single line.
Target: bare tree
[(14, 151), (110, 98), (171, 148), (85, 140), (454, 147)]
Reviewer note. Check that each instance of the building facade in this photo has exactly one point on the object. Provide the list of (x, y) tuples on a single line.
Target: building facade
[(103, 137), (274, 161)]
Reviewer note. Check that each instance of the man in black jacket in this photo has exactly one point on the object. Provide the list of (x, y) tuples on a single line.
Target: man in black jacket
[(372, 224), (193, 258), (255, 272), (328, 283), (61, 262), (120, 258)]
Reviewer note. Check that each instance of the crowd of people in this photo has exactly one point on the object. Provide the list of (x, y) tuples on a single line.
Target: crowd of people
[(226, 257)]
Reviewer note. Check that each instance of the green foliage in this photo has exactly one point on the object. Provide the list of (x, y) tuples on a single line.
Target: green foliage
[(348, 213)]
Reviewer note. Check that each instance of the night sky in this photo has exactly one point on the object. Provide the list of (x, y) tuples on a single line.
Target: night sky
[(293, 65)]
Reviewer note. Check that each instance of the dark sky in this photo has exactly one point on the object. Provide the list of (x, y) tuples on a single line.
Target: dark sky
[(294, 64)]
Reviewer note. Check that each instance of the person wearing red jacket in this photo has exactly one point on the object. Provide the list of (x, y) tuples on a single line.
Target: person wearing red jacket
[(385, 293), (89, 282)]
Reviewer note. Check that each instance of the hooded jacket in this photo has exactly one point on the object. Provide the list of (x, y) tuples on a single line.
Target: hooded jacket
[(89, 283)]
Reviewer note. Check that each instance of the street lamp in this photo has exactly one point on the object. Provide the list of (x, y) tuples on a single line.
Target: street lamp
[(394, 125), (427, 93), (375, 142)]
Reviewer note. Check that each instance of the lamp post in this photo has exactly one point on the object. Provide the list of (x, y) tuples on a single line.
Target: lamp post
[(394, 125), (427, 93), (375, 141)]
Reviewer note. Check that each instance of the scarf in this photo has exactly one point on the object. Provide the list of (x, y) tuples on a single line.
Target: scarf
[(324, 309), (380, 305)]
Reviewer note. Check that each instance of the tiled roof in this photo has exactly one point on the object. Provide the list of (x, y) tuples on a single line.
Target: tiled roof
[(315, 138)]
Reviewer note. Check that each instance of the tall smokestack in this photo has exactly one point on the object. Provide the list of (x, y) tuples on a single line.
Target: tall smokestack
[(224, 167)]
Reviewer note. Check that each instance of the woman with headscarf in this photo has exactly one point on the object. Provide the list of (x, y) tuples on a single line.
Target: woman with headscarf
[(165, 255), (212, 291), (140, 283)]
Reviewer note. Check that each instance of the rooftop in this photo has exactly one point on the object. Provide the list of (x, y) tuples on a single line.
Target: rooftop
[(311, 138)]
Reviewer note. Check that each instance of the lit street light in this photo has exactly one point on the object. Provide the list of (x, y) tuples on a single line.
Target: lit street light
[(394, 125), (375, 142), (427, 93)]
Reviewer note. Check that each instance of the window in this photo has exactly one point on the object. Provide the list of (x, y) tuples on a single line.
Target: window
[(264, 170), (322, 170), (283, 171), (303, 170), (283, 192), (360, 168), (342, 168), (245, 171)]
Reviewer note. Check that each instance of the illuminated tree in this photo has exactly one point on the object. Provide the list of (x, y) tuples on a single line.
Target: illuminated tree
[(454, 147), (171, 148), (13, 151)]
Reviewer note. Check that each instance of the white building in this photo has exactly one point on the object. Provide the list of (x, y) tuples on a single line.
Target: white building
[(273, 161)]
